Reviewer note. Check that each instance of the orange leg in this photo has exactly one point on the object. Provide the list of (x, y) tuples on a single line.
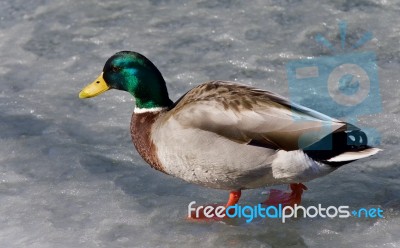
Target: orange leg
[(277, 197), (198, 213), (234, 197)]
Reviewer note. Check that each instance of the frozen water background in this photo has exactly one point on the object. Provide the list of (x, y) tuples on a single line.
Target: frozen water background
[(69, 175)]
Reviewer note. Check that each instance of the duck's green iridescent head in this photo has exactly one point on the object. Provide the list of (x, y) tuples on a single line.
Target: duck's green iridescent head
[(132, 72)]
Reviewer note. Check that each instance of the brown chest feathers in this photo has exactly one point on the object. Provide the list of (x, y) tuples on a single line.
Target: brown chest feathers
[(140, 131)]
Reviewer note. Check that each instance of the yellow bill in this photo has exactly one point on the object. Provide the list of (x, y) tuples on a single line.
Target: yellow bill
[(96, 88)]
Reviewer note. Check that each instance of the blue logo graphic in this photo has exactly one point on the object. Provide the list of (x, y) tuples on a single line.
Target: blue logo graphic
[(344, 85), (368, 213), (281, 212)]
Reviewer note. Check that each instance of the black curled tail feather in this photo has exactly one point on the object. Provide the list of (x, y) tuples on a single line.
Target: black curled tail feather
[(335, 144)]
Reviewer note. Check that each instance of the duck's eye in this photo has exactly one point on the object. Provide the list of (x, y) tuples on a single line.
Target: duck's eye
[(115, 68)]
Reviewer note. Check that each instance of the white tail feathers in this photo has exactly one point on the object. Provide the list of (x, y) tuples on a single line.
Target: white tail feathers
[(355, 155)]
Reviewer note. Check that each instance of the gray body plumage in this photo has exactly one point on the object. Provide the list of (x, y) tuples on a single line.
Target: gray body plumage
[(229, 136)]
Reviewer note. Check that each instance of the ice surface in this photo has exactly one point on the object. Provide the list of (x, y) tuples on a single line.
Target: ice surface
[(69, 175)]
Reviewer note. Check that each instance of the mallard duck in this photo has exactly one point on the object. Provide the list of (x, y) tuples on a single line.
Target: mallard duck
[(229, 136)]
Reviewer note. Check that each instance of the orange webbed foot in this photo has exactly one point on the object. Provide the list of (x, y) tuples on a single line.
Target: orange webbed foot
[(285, 198)]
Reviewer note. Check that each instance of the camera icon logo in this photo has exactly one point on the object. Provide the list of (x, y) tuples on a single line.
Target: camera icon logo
[(341, 86), (344, 85)]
